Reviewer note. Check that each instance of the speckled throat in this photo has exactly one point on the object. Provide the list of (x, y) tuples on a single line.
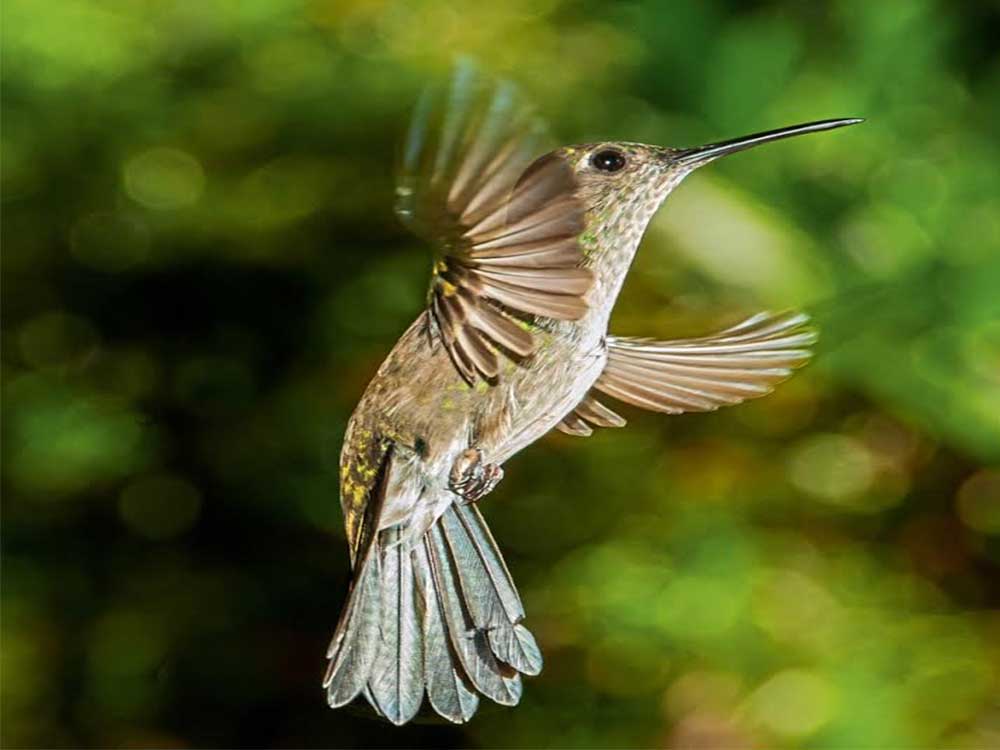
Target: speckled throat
[(617, 216)]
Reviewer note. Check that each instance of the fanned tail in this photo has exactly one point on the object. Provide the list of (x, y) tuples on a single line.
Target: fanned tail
[(443, 618)]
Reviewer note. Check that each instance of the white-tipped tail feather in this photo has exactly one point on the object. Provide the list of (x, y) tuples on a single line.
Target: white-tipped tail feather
[(443, 618)]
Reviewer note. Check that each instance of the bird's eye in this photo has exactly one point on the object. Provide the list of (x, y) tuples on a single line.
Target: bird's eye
[(608, 160)]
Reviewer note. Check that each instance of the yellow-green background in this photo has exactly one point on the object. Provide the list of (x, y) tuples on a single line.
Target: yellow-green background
[(201, 271)]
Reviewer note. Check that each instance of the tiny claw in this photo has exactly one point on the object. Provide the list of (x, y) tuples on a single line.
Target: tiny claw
[(470, 478)]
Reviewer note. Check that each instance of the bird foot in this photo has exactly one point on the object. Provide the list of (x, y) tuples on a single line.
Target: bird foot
[(471, 478)]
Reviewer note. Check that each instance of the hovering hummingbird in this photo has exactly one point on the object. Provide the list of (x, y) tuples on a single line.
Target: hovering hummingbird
[(530, 255)]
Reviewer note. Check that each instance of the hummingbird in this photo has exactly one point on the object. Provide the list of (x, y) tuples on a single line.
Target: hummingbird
[(530, 253)]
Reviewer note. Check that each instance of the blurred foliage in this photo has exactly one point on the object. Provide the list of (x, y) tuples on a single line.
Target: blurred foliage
[(201, 271)]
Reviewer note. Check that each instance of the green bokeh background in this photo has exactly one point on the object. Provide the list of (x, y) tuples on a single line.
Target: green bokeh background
[(201, 271)]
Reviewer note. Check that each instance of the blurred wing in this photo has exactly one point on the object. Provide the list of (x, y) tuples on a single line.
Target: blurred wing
[(700, 374), (504, 229)]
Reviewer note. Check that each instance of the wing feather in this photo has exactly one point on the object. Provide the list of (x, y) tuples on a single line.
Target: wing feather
[(702, 374), (741, 362), (504, 224)]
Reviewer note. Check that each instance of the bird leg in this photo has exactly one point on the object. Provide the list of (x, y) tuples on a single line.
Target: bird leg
[(471, 478)]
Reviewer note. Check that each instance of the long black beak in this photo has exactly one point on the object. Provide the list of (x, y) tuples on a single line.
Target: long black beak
[(695, 157)]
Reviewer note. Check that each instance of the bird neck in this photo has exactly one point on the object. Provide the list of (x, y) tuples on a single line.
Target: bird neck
[(614, 230)]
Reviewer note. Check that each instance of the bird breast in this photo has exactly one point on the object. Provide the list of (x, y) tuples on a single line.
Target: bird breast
[(532, 399)]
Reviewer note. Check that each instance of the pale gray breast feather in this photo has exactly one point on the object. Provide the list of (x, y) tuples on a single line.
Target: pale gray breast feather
[(545, 401)]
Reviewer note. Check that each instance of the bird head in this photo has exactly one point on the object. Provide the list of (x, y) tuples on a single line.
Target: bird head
[(624, 183)]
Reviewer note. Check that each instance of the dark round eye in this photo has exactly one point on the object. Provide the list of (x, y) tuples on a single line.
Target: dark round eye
[(608, 160)]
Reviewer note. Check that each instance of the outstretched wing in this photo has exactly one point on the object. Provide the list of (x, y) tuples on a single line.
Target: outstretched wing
[(701, 374), (503, 225)]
